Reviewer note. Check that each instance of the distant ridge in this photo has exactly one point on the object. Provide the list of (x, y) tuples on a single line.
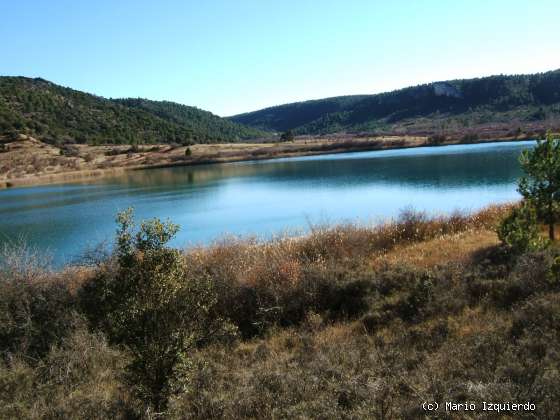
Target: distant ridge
[(463, 108), (57, 114), (463, 103)]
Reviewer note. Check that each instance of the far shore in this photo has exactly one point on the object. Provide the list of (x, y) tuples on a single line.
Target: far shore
[(37, 163)]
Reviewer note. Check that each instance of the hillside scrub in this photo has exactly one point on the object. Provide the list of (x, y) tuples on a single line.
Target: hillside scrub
[(328, 325), (458, 108), (59, 115)]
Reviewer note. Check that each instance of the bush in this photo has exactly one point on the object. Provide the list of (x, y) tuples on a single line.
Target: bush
[(146, 303), (469, 138), (287, 136), (69, 151), (538, 319), (256, 308), (519, 230), (77, 379), (410, 305), (437, 139), (36, 307), (531, 274), (115, 151)]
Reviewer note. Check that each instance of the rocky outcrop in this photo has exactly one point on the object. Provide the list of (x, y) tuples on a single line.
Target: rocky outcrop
[(446, 89)]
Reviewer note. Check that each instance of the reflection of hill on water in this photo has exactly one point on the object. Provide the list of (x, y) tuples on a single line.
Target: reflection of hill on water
[(181, 176), (409, 169), (454, 169), (438, 170), (145, 182)]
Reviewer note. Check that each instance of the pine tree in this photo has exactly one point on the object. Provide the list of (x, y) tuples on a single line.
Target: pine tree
[(541, 184)]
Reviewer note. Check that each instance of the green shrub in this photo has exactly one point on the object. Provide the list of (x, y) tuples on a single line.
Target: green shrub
[(555, 271), (437, 139), (411, 305), (146, 302), (287, 136), (519, 230), (469, 138), (69, 151)]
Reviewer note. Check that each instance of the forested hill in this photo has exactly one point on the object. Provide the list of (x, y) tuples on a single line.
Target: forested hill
[(467, 103), (57, 114), (203, 124)]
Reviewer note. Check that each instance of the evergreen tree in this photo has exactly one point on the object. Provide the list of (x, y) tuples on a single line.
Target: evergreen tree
[(541, 184), (287, 136)]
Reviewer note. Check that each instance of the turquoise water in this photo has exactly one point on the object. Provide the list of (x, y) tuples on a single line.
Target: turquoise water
[(264, 197)]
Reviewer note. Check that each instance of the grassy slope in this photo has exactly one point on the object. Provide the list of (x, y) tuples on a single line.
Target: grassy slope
[(369, 323), (457, 105), (57, 114)]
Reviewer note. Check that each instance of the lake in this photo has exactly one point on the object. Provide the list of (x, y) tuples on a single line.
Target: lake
[(264, 198)]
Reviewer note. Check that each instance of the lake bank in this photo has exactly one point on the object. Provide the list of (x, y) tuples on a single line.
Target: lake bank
[(29, 162)]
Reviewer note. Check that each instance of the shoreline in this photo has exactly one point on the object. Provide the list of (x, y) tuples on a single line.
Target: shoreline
[(347, 146)]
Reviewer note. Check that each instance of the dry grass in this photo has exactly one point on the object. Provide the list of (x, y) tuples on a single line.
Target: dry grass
[(459, 248), (347, 322), (413, 237)]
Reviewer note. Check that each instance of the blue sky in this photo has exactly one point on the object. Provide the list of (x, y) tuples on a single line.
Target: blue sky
[(232, 56)]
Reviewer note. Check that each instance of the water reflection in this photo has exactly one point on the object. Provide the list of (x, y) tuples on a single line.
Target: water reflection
[(265, 196)]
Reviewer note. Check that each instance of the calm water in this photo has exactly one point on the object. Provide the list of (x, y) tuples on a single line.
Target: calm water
[(265, 197)]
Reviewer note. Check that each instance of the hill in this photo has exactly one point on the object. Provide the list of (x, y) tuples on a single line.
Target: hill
[(203, 124), (57, 114), (429, 108)]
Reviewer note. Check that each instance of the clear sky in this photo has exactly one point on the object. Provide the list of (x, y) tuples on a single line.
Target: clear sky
[(232, 56)]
